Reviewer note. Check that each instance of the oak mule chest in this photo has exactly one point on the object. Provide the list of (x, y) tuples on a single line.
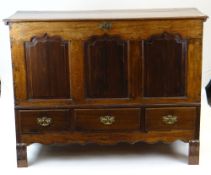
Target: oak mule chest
[(107, 77)]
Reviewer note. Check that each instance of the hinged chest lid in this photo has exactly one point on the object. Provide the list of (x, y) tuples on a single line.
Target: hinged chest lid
[(144, 14)]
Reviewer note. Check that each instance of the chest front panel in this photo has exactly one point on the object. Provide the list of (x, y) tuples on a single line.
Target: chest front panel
[(116, 66)]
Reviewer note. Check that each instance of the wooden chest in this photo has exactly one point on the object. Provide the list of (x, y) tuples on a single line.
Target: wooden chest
[(107, 77)]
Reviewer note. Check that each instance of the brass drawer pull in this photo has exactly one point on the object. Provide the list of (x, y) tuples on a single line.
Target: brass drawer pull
[(105, 26), (44, 121), (107, 120), (169, 119)]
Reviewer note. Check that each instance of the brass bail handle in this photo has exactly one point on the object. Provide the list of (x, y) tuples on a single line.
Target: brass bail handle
[(107, 120), (105, 26), (44, 121), (169, 119)]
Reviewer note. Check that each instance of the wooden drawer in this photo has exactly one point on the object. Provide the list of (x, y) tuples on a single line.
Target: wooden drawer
[(107, 119), (36, 121), (170, 118)]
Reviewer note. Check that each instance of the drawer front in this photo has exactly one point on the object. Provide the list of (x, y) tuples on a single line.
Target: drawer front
[(170, 118), (107, 119), (38, 121)]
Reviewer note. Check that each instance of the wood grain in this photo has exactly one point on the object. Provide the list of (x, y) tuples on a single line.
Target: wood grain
[(176, 13), (133, 29), (21, 149), (193, 152), (185, 116), (125, 119), (60, 120), (145, 65), (165, 63), (107, 137), (49, 55), (78, 78), (102, 79)]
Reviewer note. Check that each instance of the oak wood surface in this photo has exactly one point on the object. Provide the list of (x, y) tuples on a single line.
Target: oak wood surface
[(125, 119), (76, 65), (76, 68), (60, 120), (165, 58), (106, 67), (181, 13), (76, 30), (21, 149), (47, 68), (194, 152), (185, 118), (108, 137)]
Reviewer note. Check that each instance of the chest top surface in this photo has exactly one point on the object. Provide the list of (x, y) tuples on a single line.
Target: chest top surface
[(144, 14)]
